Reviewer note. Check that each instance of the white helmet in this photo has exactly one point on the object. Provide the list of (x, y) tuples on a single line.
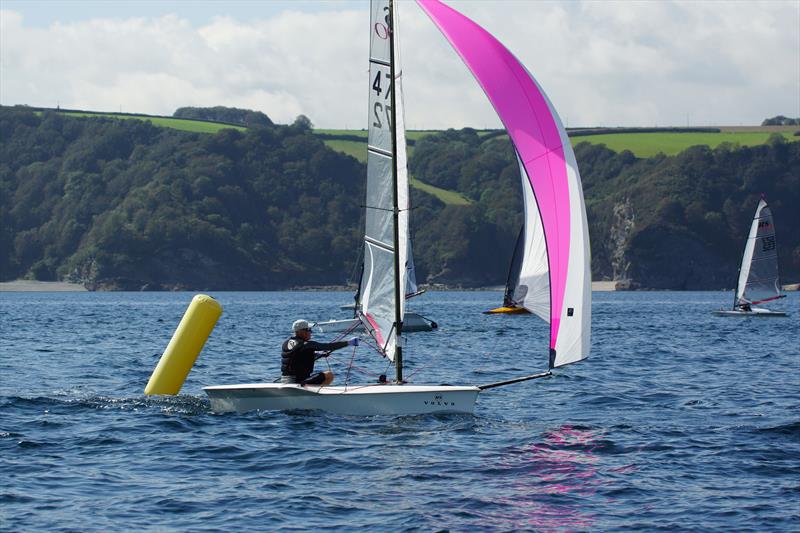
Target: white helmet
[(300, 324)]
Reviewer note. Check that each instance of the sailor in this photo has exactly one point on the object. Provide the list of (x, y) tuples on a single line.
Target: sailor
[(299, 353)]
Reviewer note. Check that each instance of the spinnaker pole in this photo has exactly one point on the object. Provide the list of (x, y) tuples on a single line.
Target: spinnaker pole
[(398, 319)]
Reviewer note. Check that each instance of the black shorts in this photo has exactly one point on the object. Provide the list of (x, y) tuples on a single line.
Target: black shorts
[(315, 379)]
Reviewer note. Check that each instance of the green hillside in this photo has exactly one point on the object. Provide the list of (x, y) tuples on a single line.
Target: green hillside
[(650, 144), (667, 222), (195, 126), (644, 144), (344, 141), (126, 204)]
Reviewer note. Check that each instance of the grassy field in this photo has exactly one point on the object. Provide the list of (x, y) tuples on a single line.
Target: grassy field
[(165, 122), (358, 150), (641, 144), (351, 148), (650, 144), (447, 197), (410, 134)]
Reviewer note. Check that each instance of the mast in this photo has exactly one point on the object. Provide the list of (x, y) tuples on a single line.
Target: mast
[(398, 319)]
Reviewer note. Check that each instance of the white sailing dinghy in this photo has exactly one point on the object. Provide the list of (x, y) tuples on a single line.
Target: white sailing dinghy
[(548, 169), (526, 270), (758, 281)]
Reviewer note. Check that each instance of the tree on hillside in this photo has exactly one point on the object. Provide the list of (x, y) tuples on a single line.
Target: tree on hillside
[(229, 115), (780, 120)]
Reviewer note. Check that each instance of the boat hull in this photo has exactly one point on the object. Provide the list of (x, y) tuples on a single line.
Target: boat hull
[(374, 399), (507, 311), (756, 312), (411, 323)]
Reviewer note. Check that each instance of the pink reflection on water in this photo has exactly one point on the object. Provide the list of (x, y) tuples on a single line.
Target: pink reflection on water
[(546, 486)]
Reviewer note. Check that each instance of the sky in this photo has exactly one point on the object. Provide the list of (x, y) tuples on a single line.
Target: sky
[(602, 63)]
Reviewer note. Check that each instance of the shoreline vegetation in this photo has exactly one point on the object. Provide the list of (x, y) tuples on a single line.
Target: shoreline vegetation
[(26, 285), (125, 205)]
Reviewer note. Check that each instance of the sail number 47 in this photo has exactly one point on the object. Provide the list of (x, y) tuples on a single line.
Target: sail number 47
[(381, 108)]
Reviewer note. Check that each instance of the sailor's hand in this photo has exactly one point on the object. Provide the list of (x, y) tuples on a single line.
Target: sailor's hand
[(353, 341)]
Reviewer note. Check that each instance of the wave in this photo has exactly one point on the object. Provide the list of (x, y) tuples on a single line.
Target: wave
[(181, 404), (791, 429)]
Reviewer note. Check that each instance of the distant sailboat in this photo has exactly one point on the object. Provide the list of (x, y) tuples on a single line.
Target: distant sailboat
[(514, 295), (758, 281), (547, 164)]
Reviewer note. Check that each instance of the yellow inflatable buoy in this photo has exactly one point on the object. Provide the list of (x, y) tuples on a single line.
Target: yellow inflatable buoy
[(185, 346)]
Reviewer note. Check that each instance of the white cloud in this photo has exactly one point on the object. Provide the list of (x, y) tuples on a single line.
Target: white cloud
[(602, 63)]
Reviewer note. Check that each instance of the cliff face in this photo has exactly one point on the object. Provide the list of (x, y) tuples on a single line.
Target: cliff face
[(620, 234), (667, 257)]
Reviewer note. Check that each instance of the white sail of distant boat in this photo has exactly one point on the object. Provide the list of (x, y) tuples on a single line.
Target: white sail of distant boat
[(758, 281), (549, 173), (528, 284)]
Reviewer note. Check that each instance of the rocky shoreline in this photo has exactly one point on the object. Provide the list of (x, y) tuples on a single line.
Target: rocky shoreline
[(24, 285)]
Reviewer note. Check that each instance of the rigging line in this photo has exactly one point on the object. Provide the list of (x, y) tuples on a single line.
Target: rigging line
[(347, 331), (356, 368), (357, 265), (375, 347), (347, 376), (420, 314), (408, 378), (387, 209)]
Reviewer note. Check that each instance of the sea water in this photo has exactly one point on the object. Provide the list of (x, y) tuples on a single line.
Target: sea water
[(678, 420)]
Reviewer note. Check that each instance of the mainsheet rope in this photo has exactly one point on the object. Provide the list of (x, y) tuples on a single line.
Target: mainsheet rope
[(350, 365)]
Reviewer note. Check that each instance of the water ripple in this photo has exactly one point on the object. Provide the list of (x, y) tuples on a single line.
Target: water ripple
[(678, 421)]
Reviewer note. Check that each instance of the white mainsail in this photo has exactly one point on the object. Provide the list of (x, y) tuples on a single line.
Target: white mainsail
[(385, 142), (758, 275)]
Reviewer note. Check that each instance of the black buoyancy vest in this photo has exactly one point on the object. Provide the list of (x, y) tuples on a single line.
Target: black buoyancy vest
[(289, 362)]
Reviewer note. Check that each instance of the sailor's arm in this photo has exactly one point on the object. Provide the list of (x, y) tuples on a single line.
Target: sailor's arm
[(326, 346)]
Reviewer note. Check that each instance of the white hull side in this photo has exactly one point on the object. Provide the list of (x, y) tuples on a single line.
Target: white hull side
[(411, 323), (353, 400), (757, 311)]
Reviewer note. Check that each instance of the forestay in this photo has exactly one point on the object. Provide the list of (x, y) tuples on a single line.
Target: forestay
[(758, 275), (549, 173), (378, 280)]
